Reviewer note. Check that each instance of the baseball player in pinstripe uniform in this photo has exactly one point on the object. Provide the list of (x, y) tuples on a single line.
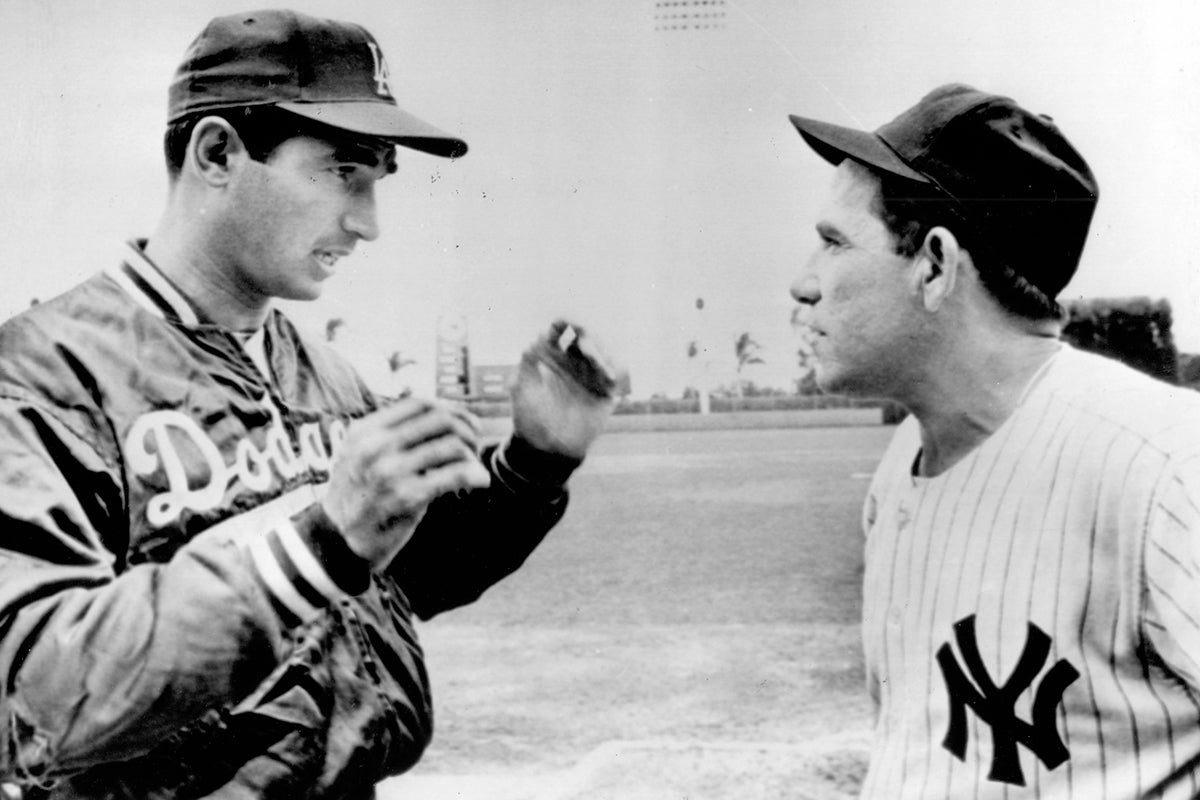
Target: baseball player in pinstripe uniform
[(1031, 619), (214, 538)]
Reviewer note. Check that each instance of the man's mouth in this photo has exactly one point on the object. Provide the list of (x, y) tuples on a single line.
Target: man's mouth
[(806, 327), (328, 258)]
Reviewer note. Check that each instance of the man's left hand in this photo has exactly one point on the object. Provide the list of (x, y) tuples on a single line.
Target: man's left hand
[(565, 390)]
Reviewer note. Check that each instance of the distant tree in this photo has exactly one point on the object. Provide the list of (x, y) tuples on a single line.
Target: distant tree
[(746, 350), (806, 384), (331, 328), (1134, 330), (806, 359), (1189, 370), (752, 389), (397, 362)]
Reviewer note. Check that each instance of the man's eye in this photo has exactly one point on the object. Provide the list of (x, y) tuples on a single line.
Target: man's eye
[(830, 243), (344, 171)]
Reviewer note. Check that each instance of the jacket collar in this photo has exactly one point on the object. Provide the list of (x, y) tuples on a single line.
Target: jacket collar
[(150, 288)]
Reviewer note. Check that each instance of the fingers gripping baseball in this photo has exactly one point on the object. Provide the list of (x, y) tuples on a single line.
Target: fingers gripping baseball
[(391, 466), (565, 391)]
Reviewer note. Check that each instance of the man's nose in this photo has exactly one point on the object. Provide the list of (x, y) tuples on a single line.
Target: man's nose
[(360, 218), (805, 288)]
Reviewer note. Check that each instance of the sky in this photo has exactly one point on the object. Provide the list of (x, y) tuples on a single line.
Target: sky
[(617, 172)]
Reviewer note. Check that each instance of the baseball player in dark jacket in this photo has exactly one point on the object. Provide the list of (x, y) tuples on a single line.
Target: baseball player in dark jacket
[(214, 537)]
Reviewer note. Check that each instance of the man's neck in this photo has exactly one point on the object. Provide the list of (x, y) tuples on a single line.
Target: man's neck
[(973, 394), (203, 282)]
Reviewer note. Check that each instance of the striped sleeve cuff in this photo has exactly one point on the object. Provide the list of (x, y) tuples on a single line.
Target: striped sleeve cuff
[(305, 565)]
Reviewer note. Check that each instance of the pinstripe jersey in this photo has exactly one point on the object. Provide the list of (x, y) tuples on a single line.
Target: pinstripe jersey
[(1031, 614)]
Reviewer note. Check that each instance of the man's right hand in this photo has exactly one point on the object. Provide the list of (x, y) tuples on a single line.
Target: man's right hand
[(392, 465)]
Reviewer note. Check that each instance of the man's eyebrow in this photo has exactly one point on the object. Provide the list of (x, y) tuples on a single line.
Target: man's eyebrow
[(368, 155)]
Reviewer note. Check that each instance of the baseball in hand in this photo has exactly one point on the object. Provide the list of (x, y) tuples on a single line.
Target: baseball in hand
[(565, 390), (576, 358)]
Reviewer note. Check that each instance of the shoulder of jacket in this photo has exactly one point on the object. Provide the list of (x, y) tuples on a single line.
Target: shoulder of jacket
[(54, 354)]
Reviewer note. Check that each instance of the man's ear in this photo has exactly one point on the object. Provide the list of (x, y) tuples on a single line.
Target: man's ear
[(937, 265), (213, 149)]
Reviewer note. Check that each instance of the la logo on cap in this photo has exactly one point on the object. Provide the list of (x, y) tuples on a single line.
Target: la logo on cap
[(307, 66), (381, 75)]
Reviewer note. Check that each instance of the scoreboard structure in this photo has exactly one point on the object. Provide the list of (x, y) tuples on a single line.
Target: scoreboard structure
[(492, 381), (452, 371), (457, 377)]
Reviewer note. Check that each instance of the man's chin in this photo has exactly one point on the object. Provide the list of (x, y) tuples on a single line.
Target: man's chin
[(303, 293)]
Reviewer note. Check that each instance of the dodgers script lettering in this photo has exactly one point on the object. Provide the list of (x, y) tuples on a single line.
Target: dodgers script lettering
[(154, 442)]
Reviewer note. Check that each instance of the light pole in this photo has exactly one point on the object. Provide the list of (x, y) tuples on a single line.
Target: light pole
[(702, 354)]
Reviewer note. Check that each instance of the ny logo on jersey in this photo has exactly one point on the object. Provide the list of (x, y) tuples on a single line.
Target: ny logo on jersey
[(995, 705), (380, 74)]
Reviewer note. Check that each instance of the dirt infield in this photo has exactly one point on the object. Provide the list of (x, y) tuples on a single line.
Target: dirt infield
[(653, 770), (689, 630)]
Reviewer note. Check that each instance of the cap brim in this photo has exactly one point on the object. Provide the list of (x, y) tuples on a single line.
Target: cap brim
[(835, 143), (382, 120)]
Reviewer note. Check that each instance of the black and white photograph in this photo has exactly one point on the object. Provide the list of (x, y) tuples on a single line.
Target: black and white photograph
[(600, 400)]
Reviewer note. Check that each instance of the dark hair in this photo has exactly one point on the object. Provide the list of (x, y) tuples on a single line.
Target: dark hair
[(261, 129), (910, 210)]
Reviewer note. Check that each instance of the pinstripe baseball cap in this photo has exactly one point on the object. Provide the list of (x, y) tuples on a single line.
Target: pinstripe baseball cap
[(1018, 182), (329, 71)]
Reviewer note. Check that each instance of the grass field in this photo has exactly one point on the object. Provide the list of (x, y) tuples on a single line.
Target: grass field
[(698, 605)]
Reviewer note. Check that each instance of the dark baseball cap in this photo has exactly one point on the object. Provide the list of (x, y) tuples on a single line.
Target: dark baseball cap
[(1023, 188), (329, 71)]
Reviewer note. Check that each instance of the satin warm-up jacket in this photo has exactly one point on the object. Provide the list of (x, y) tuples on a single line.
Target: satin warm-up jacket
[(177, 616)]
